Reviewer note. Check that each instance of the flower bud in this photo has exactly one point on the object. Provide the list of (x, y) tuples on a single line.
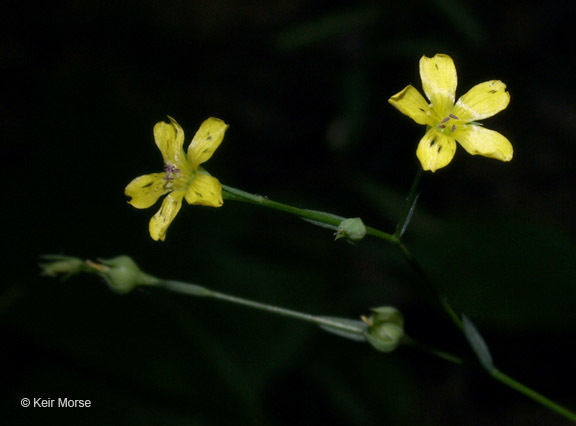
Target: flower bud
[(352, 229), (122, 274), (385, 328)]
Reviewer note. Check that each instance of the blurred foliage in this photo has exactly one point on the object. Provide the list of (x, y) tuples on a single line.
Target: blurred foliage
[(304, 86)]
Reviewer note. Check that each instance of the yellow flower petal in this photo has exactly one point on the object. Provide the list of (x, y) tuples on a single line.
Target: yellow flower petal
[(163, 218), (435, 150), (205, 190), (206, 140), (411, 103), (482, 101), (145, 190), (439, 82), (477, 140), (169, 138)]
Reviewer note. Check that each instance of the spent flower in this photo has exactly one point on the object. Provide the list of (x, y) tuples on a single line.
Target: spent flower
[(56, 265), (449, 121), (183, 177)]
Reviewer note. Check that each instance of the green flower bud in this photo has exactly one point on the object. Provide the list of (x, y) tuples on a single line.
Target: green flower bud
[(352, 229), (385, 328), (122, 274)]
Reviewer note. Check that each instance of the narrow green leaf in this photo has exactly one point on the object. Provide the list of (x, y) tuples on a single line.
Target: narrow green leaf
[(186, 288), (321, 224), (323, 217), (404, 224), (346, 328), (478, 344), (409, 205)]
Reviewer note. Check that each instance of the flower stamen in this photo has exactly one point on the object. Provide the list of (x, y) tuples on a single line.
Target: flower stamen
[(170, 169), (445, 120)]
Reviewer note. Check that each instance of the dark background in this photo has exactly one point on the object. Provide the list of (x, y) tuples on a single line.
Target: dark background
[(304, 86)]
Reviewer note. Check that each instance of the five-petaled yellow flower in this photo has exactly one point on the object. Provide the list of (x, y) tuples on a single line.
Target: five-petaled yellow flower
[(183, 177), (449, 122)]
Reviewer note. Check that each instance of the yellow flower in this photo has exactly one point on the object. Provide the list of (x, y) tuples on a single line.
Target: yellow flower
[(182, 177), (450, 122)]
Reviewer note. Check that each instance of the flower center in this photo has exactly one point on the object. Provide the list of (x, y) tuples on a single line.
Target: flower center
[(177, 178), (171, 172), (448, 124)]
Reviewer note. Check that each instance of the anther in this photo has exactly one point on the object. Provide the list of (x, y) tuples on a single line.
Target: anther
[(169, 169)]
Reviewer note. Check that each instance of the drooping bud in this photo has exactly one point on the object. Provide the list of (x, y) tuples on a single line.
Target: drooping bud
[(385, 328)]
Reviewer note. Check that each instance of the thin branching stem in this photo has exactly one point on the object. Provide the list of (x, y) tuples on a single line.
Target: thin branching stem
[(332, 220), (494, 372)]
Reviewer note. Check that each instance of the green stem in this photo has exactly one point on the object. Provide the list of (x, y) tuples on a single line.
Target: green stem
[(195, 290), (332, 220), (495, 373), (429, 285), (345, 326), (403, 222), (432, 350), (313, 215), (541, 399)]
